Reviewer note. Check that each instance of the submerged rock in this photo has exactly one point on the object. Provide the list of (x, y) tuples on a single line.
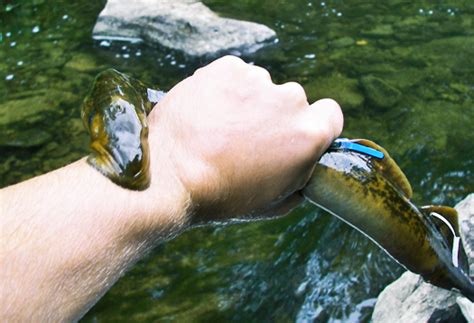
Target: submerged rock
[(82, 62), (343, 42), (185, 25), (27, 110), (28, 121), (380, 93), (25, 138), (410, 299), (339, 87), (379, 31), (35, 106)]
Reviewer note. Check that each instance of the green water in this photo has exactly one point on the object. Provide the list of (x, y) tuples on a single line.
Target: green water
[(403, 72)]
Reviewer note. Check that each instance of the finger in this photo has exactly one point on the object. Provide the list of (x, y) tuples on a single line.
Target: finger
[(323, 122), (228, 60), (295, 93), (258, 73), (319, 124)]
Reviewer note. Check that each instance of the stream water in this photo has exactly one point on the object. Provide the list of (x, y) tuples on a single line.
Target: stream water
[(403, 72)]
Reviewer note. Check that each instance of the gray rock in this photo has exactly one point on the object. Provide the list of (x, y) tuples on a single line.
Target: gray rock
[(185, 25), (466, 221), (410, 299), (467, 308)]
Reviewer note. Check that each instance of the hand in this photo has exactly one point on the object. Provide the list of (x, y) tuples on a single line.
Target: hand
[(240, 145), (224, 143)]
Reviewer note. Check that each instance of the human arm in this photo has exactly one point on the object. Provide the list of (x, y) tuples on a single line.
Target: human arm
[(225, 143), (68, 235)]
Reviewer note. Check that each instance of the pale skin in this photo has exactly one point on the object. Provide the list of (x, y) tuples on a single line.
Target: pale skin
[(225, 143)]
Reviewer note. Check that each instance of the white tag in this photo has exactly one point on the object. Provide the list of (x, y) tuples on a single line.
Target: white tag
[(456, 240)]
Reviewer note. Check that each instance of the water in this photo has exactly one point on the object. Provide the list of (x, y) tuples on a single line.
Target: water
[(307, 266)]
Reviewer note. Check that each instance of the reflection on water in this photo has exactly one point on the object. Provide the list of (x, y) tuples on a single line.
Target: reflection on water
[(402, 71)]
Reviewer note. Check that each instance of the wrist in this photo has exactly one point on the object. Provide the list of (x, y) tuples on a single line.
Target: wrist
[(165, 207), (179, 174)]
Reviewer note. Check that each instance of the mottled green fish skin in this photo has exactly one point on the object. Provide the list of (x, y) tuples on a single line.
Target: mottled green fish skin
[(114, 113), (349, 186)]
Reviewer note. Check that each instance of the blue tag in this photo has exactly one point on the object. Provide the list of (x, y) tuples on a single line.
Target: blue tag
[(346, 144)]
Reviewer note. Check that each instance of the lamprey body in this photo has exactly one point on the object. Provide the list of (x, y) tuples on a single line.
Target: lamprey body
[(373, 195), (114, 114)]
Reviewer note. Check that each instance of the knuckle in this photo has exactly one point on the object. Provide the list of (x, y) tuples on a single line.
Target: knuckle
[(315, 135), (321, 123), (227, 63), (199, 70), (230, 60), (330, 104), (311, 132), (260, 72), (294, 90)]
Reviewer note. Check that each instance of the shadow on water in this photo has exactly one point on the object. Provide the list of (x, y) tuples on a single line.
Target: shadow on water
[(403, 73)]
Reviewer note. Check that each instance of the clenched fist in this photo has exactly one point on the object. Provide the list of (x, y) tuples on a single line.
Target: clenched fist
[(240, 144)]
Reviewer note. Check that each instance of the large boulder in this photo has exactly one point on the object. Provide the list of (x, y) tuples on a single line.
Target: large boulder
[(185, 25), (410, 299)]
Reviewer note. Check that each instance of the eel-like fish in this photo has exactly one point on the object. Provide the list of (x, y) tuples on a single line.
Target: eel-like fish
[(114, 113), (358, 182), (355, 180)]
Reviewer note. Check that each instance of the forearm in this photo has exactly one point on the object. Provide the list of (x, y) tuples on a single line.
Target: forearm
[(224, 143), (80, 233)]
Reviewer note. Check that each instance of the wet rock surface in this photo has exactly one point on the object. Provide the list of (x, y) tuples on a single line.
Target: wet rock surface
[(185, 25), (466, 221), (410, 299)]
